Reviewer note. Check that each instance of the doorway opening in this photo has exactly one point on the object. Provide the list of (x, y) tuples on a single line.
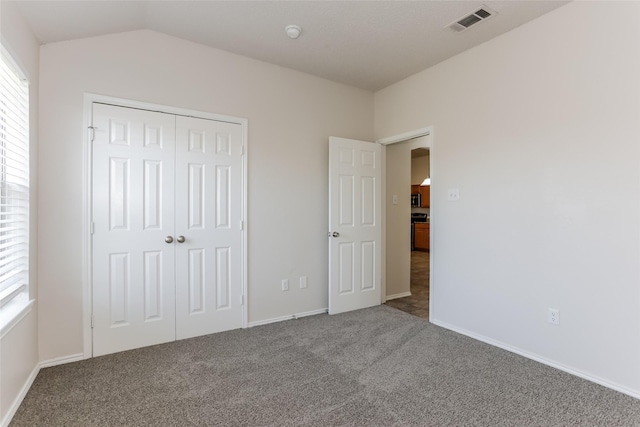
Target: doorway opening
[(417, 303), (409, 251)]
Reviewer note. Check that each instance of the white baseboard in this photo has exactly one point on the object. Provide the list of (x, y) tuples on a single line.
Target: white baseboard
[(23, 392), (540, 359), (400, 295), (62, 360), (289, 317)]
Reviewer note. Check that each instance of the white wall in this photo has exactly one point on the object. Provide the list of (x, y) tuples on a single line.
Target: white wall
[(398, 230), (419, 169), (291, 116), (19, 346), (538, 129)]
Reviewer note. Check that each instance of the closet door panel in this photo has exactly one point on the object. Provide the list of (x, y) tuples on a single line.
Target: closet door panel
[(133, 213), (208, 216)]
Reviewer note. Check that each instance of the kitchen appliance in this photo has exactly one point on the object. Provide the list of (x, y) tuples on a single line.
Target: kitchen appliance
[(416, 217), (416, 200)]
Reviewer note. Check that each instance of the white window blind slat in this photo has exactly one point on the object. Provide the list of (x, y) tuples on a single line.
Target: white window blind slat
[(14, 112), (17, 177), (11, 247), (11, 104), (14, 169), (12, 275), (14, 180), (11, 232), (9, 270), (13, 107), (10, 190), (10, 128), (18, 151), (11, 82), (12, 101)]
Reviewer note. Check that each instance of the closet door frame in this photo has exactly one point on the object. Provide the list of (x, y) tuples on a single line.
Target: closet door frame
[(87, 173)]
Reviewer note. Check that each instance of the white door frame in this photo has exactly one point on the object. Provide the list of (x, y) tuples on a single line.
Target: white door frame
[(428, 132), (87, 251)]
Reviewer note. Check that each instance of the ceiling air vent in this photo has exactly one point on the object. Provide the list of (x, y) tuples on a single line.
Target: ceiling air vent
[(467, 21)]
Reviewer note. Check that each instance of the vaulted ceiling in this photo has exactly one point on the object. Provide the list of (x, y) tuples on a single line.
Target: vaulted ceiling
[(367, 44)]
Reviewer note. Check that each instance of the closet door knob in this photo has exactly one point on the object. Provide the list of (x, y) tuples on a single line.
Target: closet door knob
[(181, 239), (168, 239)]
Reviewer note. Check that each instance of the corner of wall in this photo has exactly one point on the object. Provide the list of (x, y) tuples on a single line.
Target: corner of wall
[(19, 357)]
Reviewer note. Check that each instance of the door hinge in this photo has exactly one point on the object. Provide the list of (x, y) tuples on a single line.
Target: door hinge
[(241, 225), (242, 150), (92, 133), (241, 299), (93, 228), (93, 321)]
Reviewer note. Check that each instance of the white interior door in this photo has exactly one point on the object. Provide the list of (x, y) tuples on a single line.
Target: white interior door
[(208, 217), (355, 228), (133, 190), (167, 200)]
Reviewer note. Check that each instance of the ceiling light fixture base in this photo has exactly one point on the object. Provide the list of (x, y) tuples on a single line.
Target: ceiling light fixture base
[(293, 31)]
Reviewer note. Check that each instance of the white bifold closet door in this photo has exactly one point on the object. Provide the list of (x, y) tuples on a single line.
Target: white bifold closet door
[(208, 215), (167, 235)]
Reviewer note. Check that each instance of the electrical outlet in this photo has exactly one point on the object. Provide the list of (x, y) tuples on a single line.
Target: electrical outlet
[(553, 316), (394, 199), (285, 284), (453, 194), (303, 282)]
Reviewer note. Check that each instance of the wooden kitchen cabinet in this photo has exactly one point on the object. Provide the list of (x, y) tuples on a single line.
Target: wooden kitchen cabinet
[(422, 236), (415, 189), (425, 195)]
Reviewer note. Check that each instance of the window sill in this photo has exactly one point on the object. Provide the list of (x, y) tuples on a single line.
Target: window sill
[(13, 312)]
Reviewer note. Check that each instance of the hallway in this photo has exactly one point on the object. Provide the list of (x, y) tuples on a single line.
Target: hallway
[(418, 303)]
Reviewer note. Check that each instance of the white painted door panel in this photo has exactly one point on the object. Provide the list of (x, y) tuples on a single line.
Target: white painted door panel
[(133, 267), (354, 224), (158, 175), (208, 214)]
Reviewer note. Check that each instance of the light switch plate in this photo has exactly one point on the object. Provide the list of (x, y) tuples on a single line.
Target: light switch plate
[(394, 199)]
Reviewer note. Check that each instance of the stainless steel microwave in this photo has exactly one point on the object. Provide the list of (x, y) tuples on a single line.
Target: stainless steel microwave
[(416, 200)]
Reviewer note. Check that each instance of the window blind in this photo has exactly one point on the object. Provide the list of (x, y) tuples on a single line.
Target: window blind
[(14, 180)]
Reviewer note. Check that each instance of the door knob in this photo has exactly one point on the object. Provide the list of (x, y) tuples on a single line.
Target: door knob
[(168, 239), (180, 239), (335, 234)]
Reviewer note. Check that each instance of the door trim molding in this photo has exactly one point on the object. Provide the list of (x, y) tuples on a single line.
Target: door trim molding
[(406, 136), (87, 155)]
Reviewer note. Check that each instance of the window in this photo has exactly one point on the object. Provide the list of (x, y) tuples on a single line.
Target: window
[(14, 183)]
